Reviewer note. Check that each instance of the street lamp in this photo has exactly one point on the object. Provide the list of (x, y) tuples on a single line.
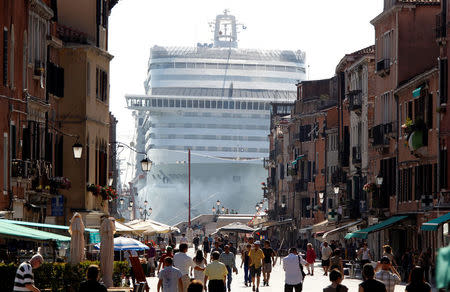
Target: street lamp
[(283, 205), (130, 208), (131, 203), (140, 210), (379, 179), (110, 181), (261, 204), (321, 197), (336, 190), (257, 207), (77, 150), (150, 210), (121, 201), (223, 209), (214, 210), (146, 164), (218, 203), (145, 203)]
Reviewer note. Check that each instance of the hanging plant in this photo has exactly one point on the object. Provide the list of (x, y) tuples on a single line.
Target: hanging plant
[(369, 187)]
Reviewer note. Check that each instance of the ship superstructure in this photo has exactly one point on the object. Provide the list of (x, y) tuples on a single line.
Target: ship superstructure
[(215, 100)]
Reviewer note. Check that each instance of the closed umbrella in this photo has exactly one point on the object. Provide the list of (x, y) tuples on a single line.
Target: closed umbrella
[(76, 230), (107, 230)]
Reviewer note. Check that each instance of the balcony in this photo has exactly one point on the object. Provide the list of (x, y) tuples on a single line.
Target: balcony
[(301, 186), (441, 28), (383, 66), (19, 169), (339, 176), (70, 35), (378, 134), (355, 101), (356, 155)]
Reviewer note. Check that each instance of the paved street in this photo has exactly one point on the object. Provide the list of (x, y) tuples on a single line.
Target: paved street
[(312, 283)]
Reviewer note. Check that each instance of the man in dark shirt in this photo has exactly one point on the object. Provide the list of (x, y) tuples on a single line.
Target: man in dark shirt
[(370, 284), (92, 284), (269, 258)]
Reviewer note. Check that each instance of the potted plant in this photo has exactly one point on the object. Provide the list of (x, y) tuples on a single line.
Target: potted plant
[(369, 187)]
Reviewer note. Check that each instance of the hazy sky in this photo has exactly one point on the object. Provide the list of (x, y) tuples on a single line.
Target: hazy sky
[(326, 30)]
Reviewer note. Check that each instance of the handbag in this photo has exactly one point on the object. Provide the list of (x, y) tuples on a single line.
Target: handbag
[(301, 267)]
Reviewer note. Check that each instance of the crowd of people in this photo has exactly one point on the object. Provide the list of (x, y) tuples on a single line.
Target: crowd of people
[(214, 263)]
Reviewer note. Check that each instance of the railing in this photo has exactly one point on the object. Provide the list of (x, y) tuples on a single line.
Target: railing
[(378, 135), (441, 27), (19, 168), (355, 100), (70, 35), (356, 154)]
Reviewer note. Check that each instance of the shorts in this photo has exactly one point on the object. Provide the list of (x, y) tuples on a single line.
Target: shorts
[(255, 271), (326, 263), (267, 267)]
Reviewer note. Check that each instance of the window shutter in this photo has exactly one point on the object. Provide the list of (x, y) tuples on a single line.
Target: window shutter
[(5, 56)]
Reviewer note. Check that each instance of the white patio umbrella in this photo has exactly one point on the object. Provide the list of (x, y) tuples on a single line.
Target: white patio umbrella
[(107, 230), (76, 230), (125, 243)]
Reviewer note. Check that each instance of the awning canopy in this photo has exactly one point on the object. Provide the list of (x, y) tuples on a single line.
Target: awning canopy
[(363, 233), (236, 227), (44, 225), (320, 227), (342, 228), (18, 231), (433, 225)]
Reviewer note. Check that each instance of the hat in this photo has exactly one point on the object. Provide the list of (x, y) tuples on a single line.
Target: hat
[(37, 257), (169, 248), (385, 260), (258, 242)]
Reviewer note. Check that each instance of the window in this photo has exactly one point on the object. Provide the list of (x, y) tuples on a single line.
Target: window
[(88, 79), (183, 103), (153, 102), (207, 104), (37, 29), (102, 85), (201, 104), (160, 102), (5, 163), (213, 104), (171, 103), (189, 103), (177, 103), (11, 57), (219, 104), (166, 102), (195, 103), (231, 104)]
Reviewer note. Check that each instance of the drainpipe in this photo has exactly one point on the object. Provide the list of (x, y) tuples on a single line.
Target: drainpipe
[(397, 172)]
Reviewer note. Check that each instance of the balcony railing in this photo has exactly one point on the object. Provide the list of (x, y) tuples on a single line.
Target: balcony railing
[(70, 35), (355, 100), (19, 168), (356, 154), (378, 134)]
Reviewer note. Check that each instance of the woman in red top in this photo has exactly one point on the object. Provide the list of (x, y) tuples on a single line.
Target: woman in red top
[(310, 258)]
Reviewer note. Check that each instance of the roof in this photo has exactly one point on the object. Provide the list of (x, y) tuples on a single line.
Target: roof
[(18, 231), (227, 53)]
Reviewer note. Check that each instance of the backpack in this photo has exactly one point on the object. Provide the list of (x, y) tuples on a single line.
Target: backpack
[(301, 267)]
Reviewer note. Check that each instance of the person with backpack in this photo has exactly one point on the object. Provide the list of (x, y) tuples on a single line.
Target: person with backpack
[(293, 271)]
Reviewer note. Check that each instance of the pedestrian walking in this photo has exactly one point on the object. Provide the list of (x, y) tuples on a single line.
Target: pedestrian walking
[(336, 261), (425, 263), (206, 246), (366, 255), (216, 248), (293, 271), (256, 258), (370, 284), (246, 262), (326, 254), (388, 274), (335, 279), (162, 263), (417, 281), (216, 273), (387, 252), (310, 258), (151, 254), (269, 260), (196, 241), (184, 263), (183, 239), (24, 280), (196, 286), (232, 248), (199, 266), (228, 259), (407, 264), (170, 278), (92, 284)]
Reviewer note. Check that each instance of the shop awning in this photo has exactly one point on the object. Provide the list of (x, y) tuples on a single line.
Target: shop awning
[(342, 228), (363, 233), (320, 227), (434, 224), (19, 231), (43, 225)]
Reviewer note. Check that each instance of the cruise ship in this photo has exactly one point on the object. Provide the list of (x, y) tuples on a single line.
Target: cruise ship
[(214, 99)]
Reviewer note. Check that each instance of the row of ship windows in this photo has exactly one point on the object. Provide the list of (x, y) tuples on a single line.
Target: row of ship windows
[(208, 137), (183, 103), (212, 148), (229, 78), (209, 126), (201, 65), (225, 115)]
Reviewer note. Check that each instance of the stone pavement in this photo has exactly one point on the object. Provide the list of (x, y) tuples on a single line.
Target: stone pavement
[(312, 283)]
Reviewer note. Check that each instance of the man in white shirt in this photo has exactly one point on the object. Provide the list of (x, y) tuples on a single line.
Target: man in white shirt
[(170, 278), (292, 266), (326, 254), (183, 262), (183, 239)]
